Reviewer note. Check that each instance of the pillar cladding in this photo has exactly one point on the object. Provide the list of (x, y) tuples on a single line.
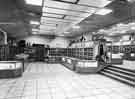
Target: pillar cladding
[(3, 35)]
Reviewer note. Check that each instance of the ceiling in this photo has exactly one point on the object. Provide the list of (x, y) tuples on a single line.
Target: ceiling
[(57, 17), (123, 12)]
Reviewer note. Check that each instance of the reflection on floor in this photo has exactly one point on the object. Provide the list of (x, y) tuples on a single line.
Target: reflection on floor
[(53, 81), (127, 64)]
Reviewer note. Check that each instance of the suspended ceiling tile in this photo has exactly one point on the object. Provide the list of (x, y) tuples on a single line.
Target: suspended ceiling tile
[(67, 6), (96, 3), (64, 12), (52, 15)]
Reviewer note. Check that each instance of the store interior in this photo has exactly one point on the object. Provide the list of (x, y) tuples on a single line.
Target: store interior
[(67, 49)]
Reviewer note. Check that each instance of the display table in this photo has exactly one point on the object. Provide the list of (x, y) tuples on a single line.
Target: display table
[(10, 69)]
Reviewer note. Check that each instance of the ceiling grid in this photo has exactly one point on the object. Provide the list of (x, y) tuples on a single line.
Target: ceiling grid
[(64, 14)]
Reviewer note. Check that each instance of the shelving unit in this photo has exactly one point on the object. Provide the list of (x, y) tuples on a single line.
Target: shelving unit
[(7, 52), (55, 55), (4, 52), (128, 49)]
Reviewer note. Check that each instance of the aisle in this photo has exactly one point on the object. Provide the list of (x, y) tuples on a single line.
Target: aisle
[(53, 81)]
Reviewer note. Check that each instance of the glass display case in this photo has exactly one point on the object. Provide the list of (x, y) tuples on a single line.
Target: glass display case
[(11, 68)]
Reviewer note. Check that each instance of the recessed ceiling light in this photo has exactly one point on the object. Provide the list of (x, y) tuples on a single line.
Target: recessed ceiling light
[(103, 11), (34, 22), (34, 2), (76, 27)]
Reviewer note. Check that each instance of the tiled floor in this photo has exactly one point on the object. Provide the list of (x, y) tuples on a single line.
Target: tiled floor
[(53, 81)]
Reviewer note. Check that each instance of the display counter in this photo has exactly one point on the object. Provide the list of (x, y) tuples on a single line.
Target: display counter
[(117, 58), (11, 69), (22, 57), (69, 62), (81, 66)]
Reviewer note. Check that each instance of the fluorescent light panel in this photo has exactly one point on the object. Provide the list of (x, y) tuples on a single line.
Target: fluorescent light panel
[(60, 11), (97, 3), (34, 2), (34, 22), (66, 32), (76, 27), (103, 11), (34, 33), (52, 15), (35, 30), (133, 28), (62, 5)]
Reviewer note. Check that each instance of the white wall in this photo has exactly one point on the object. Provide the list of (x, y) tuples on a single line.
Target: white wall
[(36, 40), (59, 42)]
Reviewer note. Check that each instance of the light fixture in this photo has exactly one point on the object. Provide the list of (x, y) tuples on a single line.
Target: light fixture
[(34, 2), (106, 2), (133, 23), (120, 25), (103, 11), (61, 35), (123, 31), (35, 30), (76, 27), (131, 1), (133, 27), (66, 32), (34, 22)]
